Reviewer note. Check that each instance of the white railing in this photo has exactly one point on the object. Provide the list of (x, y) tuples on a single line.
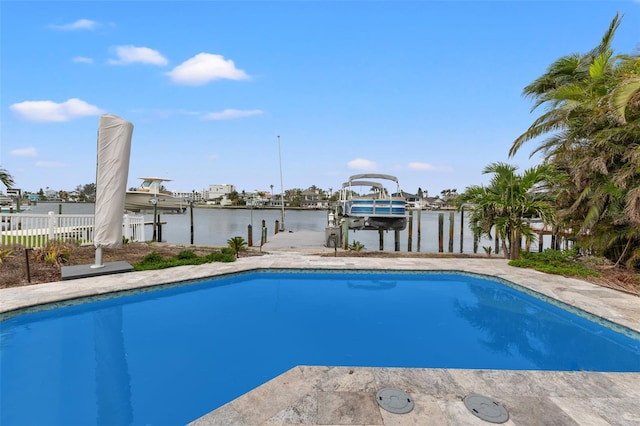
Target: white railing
[(35, 230)]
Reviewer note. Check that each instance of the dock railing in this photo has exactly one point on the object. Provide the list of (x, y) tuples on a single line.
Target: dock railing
[(35, 230)]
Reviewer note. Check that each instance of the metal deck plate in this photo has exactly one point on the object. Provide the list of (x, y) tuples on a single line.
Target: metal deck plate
[(394, 400), (486, 408)]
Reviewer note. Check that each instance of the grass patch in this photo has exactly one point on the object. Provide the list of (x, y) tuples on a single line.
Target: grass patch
[(187, 257), (559, 262)]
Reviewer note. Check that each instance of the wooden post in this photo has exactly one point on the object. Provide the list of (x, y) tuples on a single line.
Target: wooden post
[(381, 239), (440, 232), (345, 234), (461, 229), (396, 234), (191, 219), (451, 219), (419, 228), (249, 235), (26, 256), (155, 223), (277, 227), (410, 232), (264, 230)]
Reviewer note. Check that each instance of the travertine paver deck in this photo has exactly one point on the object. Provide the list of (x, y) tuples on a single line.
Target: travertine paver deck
[(346, 396)]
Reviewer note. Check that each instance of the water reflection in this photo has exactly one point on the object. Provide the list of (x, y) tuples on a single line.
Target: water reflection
[(372, 285), (113, 387), (545, 335)]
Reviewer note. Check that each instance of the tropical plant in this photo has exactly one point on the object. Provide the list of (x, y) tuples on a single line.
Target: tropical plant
[(5, 178), (592, 124), (508, 202), (356, 246), (54, 253), (237, 244), (5, 254)]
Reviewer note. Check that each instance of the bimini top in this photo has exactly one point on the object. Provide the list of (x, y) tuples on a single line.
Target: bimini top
[(159, 179), (373, 176), (363, 183)]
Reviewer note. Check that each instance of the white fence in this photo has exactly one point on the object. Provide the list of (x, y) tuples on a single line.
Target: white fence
[(35, 230)]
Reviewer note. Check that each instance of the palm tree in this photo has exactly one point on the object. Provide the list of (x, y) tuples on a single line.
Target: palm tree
[(593, 127), (237, 244), (508, 201), (6, 178)]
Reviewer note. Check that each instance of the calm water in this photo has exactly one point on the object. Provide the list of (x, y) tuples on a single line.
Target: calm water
[(216, 226), (170, 356)]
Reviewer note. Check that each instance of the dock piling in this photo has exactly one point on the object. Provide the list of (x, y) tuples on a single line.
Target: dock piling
[(440, 232), (410, 232), (451, 220)]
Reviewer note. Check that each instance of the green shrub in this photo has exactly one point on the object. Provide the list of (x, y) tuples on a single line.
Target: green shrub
[(227, 250), (152, 257), (559, 262), (222, 256), (154, 260), (186, 254)]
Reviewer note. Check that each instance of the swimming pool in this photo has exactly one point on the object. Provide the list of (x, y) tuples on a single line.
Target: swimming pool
[(171, 355)]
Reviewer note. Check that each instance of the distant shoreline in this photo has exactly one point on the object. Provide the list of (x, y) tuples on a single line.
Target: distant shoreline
[(215, 206)]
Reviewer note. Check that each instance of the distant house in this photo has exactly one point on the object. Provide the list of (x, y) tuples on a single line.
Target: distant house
[(434, 203), (74, 196), (219, 194), (276, 201), (188, 195), (312, 199), (413, 200)]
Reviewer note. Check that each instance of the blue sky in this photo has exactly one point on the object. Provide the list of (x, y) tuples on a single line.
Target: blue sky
[(428, 91)]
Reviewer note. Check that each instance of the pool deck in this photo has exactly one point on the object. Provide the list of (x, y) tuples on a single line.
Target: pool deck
[(307, 395)]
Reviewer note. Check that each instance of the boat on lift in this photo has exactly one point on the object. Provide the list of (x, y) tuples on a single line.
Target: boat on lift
[(376, 210), (152, 194)]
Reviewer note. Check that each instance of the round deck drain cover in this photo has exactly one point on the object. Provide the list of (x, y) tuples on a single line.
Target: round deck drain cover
[(394, 400), (486, 408)]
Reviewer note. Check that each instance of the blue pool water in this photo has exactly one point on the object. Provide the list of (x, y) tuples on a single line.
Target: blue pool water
[(171, 355)]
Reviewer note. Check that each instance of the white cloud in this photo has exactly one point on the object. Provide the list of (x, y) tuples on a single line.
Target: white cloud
[(24, 152), (49, 164), (230, 114), (80, 24), (206, 67), (421, 166), (82, 60), (49, 111), (362, 164), (132, 54)]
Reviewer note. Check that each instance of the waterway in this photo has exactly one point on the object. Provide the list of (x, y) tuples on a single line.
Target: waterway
[(214, 226)]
